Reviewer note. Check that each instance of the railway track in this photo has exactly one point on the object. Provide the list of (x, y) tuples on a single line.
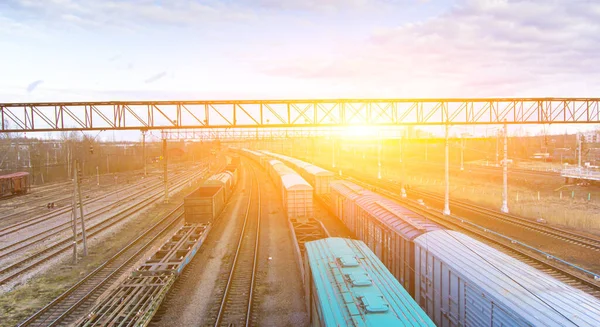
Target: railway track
[(536, 260), (88, 189), (565, 235), (559, 233), (74, 302), (51, 193), (32, 261), (24, 243), (19, 226), (235, 307)]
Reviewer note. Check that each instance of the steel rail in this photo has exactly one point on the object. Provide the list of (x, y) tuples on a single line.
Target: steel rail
[(78, 294), (570, 236), (42, 218), (56, 249), (56, 230), (227, 294)]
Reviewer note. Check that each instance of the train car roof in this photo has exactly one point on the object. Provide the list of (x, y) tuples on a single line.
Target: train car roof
[(357, 289), (317, 171), (348, 189), (258, 154), (497, 274), (404, 221), (308, 167), (281, 169), (13, 175), (295, 182), (224, 176)]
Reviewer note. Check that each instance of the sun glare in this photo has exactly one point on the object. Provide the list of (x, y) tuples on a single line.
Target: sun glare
[(360, 131)]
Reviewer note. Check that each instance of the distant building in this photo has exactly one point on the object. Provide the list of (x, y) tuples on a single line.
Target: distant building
[(591, 137)]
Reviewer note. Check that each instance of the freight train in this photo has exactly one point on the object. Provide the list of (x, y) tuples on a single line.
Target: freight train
[(456, 279), (347, 285), (207, 202), (296, 193)]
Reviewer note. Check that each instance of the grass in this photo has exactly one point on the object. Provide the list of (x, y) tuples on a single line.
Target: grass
[(24, 300)]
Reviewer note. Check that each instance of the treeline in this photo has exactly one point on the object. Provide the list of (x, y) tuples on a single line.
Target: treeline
[(52, 160)]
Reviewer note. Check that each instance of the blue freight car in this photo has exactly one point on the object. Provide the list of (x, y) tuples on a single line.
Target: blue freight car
[(457, 280), (347, 285), (461, 281)]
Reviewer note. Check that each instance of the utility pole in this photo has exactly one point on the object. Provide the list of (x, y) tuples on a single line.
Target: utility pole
[(462, 153), (78, 183), (74, 217), (332, 151), (97, 176), (165, 171), (403, 163), (144, 151), (447, 175), (579, 150), (497, 146), (379, 157), (504, 207), (426, 148)]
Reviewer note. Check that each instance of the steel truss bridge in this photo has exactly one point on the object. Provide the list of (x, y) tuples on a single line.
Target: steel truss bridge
[(244, 114)]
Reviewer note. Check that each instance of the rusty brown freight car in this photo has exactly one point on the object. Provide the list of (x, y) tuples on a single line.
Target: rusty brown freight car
[(205, 204)]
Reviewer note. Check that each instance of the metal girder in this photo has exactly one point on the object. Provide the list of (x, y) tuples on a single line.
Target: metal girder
[(148, 115), (240, 134)]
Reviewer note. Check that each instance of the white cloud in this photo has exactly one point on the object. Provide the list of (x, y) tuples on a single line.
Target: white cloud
[(480, 48), (127, 14)]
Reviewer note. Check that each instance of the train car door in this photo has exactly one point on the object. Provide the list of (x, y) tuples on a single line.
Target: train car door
[(17, 185)]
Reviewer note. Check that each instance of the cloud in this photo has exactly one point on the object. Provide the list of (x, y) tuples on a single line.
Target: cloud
[(32, 86), (319, 5), (156, 77), (480, 47), (131, 14)]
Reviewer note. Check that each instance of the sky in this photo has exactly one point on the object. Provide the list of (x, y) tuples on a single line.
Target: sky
[(90, 50)]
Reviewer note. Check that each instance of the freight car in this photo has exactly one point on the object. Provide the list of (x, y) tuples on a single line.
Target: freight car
[(224, 179), (318, 177), (207, 202), (17, 183), (276, 170), (347, 285), (296, 193), (457, 280)]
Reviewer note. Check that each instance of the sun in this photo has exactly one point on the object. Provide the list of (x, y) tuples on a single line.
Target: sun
[(360, 131)]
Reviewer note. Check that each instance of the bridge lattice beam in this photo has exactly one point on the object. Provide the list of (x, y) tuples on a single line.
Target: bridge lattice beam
[(158, 115)]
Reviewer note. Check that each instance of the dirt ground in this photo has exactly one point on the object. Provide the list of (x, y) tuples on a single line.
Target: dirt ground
[(278, 300)]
